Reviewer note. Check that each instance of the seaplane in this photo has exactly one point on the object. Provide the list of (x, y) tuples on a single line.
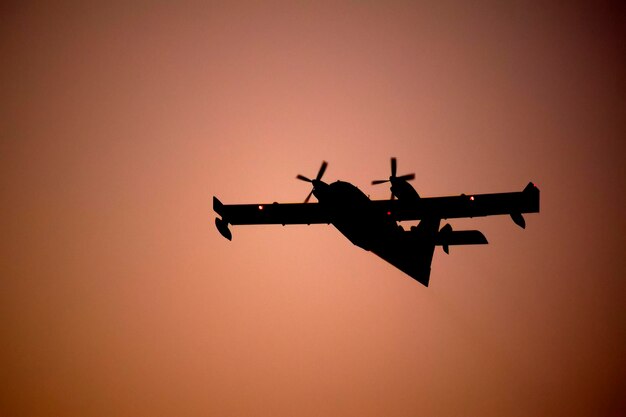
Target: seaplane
[(373, 225)]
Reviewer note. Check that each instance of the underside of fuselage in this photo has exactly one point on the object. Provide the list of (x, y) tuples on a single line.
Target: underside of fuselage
[(350, 209), (354, 215)]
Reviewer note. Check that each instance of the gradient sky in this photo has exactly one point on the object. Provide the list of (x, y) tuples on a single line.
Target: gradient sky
[(119, 123)]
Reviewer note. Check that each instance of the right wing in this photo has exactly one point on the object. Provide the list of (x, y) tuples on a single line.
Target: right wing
[(477, 205)]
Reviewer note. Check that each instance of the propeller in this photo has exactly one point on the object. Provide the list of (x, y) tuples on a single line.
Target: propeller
[(393, 178), (317, 179)]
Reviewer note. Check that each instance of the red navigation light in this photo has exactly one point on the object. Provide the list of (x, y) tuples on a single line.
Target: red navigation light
[(388, 213), (472, 198)]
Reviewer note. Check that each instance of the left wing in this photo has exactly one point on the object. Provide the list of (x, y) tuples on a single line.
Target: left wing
[(274, 213)]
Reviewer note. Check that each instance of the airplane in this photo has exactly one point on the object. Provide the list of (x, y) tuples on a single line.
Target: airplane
[(373, 224)]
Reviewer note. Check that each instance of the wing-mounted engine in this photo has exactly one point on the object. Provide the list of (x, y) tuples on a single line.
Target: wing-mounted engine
[(448, 237), (400, 187)]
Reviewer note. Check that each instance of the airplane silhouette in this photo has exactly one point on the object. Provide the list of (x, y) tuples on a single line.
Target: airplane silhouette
[(373, 224)]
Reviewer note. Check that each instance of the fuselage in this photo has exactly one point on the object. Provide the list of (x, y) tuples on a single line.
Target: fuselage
[(349, 209)]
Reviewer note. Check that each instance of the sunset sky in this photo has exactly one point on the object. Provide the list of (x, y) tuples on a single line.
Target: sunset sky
[(119, 122)]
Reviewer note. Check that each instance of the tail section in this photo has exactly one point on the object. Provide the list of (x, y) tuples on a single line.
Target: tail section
[(447, 237)]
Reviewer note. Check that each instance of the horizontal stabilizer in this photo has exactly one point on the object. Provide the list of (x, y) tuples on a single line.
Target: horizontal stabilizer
[(461, 237)]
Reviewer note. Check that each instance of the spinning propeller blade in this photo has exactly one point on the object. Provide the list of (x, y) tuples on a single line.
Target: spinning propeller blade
[(393, 177), (319, 176), (306, 200), (407, 177), (320, 173)]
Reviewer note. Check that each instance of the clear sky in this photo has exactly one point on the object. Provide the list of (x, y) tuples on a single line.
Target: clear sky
[(118, 297)]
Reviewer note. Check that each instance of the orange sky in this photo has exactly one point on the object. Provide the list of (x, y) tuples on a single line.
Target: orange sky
[(119, 123)]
